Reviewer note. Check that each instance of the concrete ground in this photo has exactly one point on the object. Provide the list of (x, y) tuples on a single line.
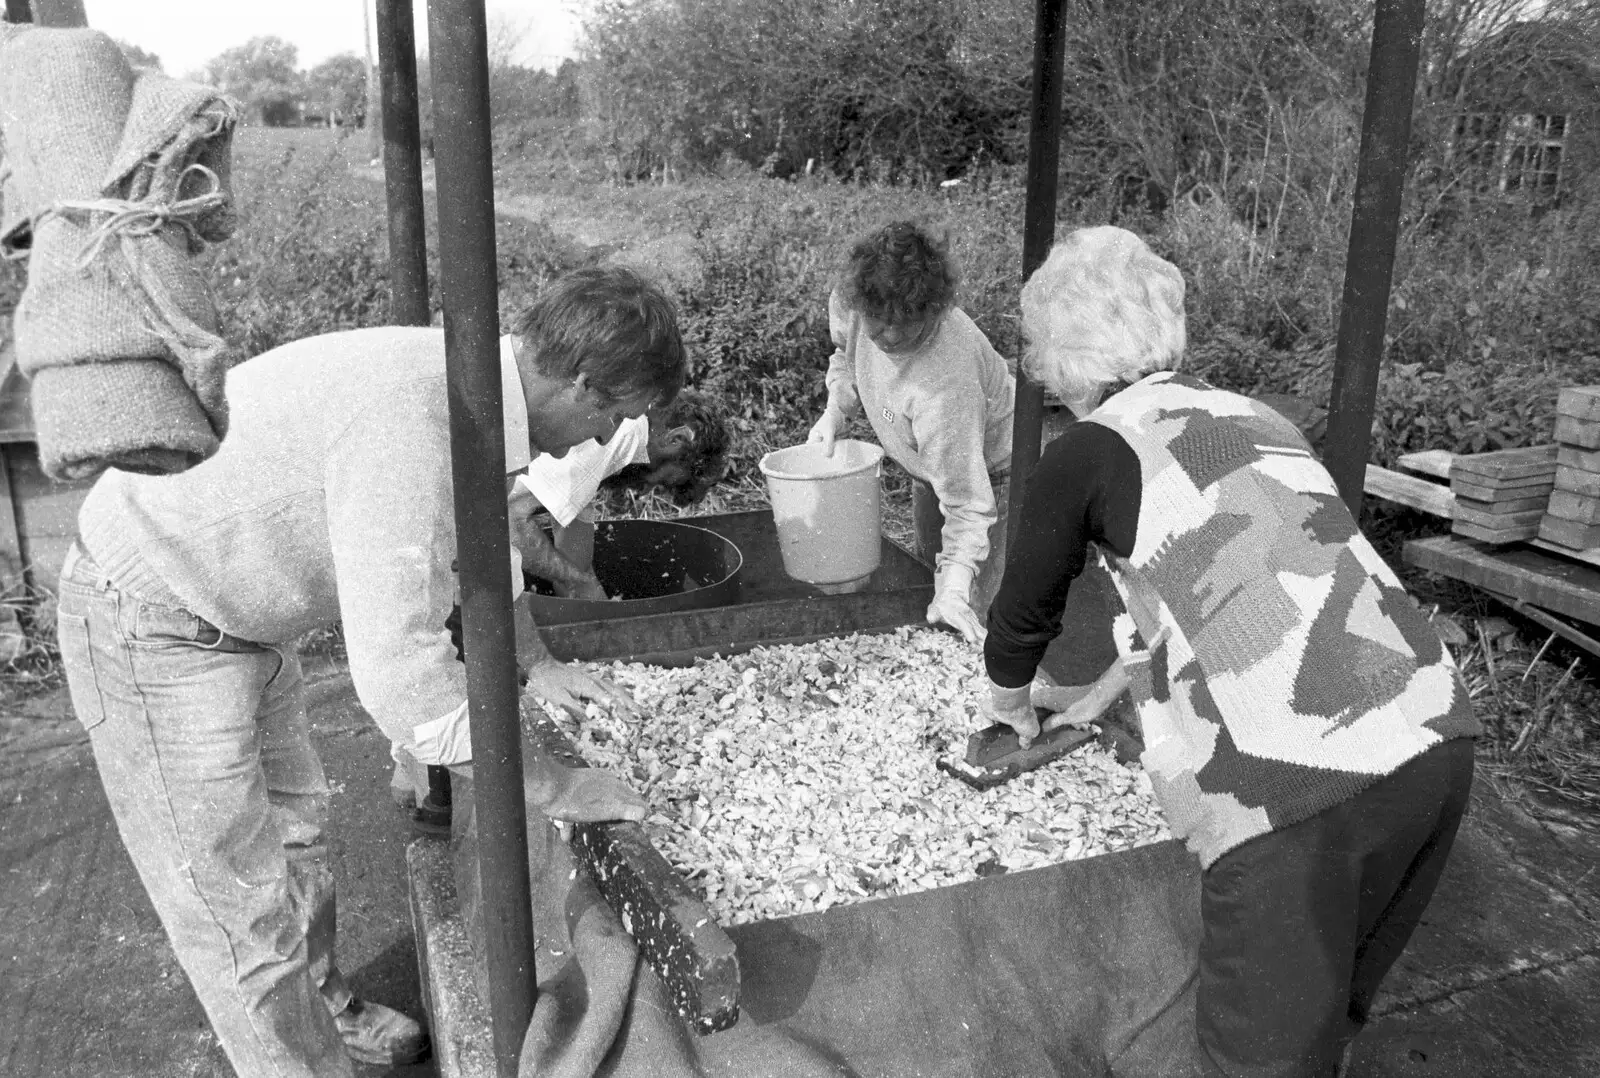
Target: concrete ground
[(88, 983), (1501, 980)]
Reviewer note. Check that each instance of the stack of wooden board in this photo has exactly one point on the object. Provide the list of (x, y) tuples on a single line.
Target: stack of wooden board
[(1572, 520), (1501, 497)]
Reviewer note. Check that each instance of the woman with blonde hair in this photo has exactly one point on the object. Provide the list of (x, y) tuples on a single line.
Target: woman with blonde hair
[(1304, 728)]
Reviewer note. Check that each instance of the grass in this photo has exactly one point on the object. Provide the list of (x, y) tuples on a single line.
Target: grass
[(310, 257)]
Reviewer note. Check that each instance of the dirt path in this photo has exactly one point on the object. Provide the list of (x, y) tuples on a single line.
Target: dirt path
[(672, 258)]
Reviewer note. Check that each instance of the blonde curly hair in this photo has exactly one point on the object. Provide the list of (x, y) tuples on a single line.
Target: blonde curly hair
[(1102, 309)]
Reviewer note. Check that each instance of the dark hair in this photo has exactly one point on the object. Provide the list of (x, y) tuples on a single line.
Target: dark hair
[(900, 274), (607, 323), (702, 464)]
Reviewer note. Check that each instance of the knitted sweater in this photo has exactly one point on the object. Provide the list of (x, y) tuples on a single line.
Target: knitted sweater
[(1276, 662), (330, 500), (943, 413)]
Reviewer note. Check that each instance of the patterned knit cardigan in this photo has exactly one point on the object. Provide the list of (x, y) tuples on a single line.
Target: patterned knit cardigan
[(1277, 664)]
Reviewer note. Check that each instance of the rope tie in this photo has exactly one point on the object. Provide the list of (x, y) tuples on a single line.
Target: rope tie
[(146, 217), (127, 221)]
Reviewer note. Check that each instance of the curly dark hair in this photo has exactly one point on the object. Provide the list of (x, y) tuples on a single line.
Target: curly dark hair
[(900, 274), (701, 465)]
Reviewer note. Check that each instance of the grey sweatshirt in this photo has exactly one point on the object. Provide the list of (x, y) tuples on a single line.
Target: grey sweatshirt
[(943, 413), (330, 499)]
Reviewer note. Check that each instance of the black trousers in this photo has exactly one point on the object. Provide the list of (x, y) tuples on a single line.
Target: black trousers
[(1300, 925)]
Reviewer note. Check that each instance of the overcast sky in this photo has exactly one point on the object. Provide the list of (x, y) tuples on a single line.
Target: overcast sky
[(187, 33)]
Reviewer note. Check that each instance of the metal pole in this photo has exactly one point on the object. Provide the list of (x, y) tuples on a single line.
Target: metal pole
[(65, 13), (374, 121), (1374, 228), (1038, 232), (458, 41), (18, 11), (402, 164)]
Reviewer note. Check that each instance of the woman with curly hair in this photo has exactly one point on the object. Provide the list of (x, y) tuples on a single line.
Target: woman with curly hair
[(938, 397), (1306, 732)]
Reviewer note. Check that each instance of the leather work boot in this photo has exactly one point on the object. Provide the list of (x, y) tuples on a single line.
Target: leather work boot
[(374, 1033)]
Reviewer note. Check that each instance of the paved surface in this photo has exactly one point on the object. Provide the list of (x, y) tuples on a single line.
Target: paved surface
[(1501, 980), (88, 983)]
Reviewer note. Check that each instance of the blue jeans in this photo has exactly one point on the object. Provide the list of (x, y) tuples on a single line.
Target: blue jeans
[(206, 759)]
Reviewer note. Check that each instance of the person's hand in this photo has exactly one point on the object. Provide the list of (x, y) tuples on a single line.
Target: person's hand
[(1014, 708), (950, 605), (825, 431), (583, 795), (1079, 705), (586, 588), (568, 688)]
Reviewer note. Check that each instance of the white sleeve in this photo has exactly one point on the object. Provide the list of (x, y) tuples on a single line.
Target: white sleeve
[(566, 485), (445, 740)]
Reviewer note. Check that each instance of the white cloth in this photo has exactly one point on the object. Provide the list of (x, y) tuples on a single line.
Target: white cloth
[(566, 485)]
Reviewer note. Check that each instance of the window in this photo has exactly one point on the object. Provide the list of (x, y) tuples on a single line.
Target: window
[(1531, 153), (1514, 154)]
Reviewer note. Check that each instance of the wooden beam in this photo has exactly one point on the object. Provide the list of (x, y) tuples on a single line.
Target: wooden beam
[(1434, 462), (1504, 465), (1563, 587), (1423, 494), (675, 933), (1555, 625)]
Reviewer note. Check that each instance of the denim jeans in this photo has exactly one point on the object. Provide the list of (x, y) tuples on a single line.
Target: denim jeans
[(206, 759)]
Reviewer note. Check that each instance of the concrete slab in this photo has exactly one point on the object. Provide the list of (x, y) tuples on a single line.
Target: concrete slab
[(88, 983)]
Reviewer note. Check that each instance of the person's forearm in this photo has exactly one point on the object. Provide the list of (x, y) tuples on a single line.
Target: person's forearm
[(541, 558)]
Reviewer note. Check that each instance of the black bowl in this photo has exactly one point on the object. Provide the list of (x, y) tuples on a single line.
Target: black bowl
[(649, 567)]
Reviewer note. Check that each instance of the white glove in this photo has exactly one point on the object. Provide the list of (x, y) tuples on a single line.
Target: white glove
[(1014, 707), (950, 605), (826, 430)]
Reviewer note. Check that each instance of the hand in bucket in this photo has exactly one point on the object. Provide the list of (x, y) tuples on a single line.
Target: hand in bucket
[(825, 431)]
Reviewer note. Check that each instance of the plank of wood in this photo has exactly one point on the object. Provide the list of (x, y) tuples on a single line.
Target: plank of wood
[(1527, 519), (1423, 494), (1585, 460), (1569, 533), (1502, 505), (676, 934), (1538, 486), (1574, 507), (1580, 402), (1583, 433), (1564, 587), (1577, 481), (1535, 460), (1434, 462), (1589, 557), (1495, 536)]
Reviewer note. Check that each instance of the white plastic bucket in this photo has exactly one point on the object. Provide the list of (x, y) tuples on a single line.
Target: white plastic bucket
[(827, 511)]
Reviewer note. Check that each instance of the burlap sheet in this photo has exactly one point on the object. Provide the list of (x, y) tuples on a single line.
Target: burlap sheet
[(111, 181)]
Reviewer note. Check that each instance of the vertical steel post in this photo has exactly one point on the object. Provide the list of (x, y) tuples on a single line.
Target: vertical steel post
[(459, 44), (1038, 232), (1374, 229), (63, 13), (402, 164), (18, 11)]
